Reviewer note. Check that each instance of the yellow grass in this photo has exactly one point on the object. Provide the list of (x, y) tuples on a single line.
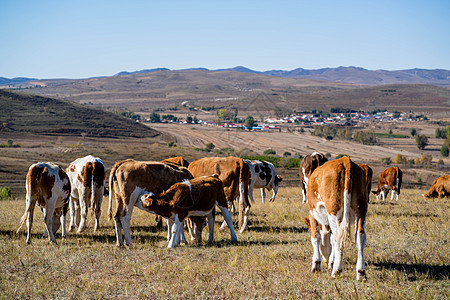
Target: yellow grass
[(407, 257)]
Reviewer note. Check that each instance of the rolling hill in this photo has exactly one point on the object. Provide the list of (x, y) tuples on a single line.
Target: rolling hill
[(30, 114), (250, 93)]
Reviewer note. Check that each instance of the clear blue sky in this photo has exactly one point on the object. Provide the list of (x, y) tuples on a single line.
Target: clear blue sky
[(78, 39)]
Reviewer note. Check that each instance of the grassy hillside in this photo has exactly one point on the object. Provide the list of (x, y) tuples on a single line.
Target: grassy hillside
[(23, 113)]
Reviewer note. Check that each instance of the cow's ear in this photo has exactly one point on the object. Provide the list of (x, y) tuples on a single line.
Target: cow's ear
[(146, 200)]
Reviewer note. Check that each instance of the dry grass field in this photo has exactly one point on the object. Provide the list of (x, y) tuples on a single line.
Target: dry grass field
[(407, 257)]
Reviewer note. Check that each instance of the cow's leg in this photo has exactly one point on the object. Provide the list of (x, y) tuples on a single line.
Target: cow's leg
[(62, 220), (315, 241), (229, 221), (97, 206), (73, 220), (263, 195), (338, 250), (169, 229), (325, 246), (126, 223), (176, 227), (275, 191), (246, 214), (30, 221), (48, 218), (84, 209), (382, 194), (211, 219), (230, 209), (360, 241), (251, 187)]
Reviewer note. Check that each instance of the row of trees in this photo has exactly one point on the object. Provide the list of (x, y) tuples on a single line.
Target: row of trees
[(364, 137)]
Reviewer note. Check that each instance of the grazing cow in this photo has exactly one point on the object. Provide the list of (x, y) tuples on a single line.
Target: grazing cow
[(179, 161), (390, 179), (87, 178), (48, 185), (129, 179), (191, 198), (308, 164), (338, 195), (440, 188), (263, 176), (234, 174)]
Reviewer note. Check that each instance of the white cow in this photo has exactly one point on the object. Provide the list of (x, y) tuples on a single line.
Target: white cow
[(263, 176), (87, 177)]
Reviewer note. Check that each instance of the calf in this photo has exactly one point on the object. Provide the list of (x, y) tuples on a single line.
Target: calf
[(191, 198), (87, 178), (129, 179), (234, 174), (262, 175), (48, 185), (308, 164), (390, 179), (338, 195), (440, 188)]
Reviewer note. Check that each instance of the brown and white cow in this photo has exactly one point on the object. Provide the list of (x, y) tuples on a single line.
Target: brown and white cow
[(308, 164), (129, 179), (390, 179), (87, 178), (338, 195), (263, 176), (48, 185), (191, 198), (234, 174), (179, 161), (440, 188)]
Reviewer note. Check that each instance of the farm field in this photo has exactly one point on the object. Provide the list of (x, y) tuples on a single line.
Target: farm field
[(407, 257)]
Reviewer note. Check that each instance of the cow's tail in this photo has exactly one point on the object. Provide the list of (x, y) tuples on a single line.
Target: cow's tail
[(112, 178), (28, 209), (244, 204), (344, 227)]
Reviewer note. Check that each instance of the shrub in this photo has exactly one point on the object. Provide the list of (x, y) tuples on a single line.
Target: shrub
[(386, 161), (209, 147), (286, 154), (412, 131), (341, 155), (269, 152), (5, 193), (400, 159), (426, 159)]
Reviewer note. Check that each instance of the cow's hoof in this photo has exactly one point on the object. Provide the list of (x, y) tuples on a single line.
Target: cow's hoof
[(361, 275), (315, 266), (334, 273)]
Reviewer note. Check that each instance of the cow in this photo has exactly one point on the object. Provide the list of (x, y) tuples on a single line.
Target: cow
[(49, 186), (179, 161), (191, 198), (338, 195), (262, 175), (308, 164), (389, 179), (129, 179), (87, 178), (234, 174), (440, 188)]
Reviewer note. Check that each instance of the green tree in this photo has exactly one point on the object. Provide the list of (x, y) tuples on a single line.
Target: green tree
[(444, 151), (155, 117), (224, 114), (412, 131), (249, 122), (189, 119), (421, 141)]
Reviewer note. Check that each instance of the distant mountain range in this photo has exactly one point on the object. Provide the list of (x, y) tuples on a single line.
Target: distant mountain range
[(351, 74)]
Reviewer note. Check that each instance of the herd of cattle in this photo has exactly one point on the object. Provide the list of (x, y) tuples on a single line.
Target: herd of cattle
[(337, 193)]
